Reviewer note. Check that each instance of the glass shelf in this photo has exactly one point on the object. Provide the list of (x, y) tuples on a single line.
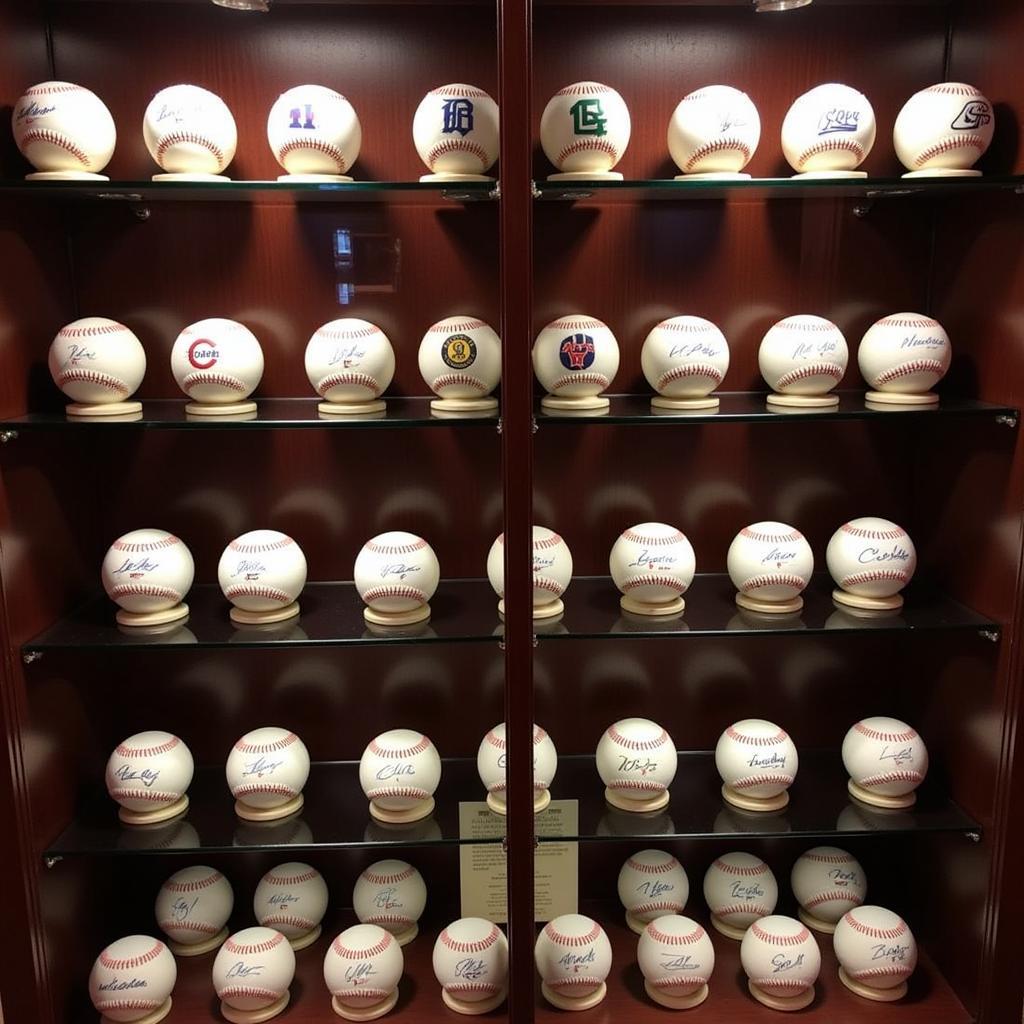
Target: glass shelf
[(819, 806)]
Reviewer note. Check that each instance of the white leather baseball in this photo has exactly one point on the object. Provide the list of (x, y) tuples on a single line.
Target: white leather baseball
[(780, 956), (552, 566), (363, 965), (149, 770), (871, 557), (132, 978), (396, 572), (885, 756), (399, 769), (470, 959), (455, 130), (147, 571), (905, 352), (675, 955), (652, 562), (830, 128), (189, 130), (460, 357), (262, 570), (267, 767), (217, 361), (314, 130), (253, 969), (291, 898), (60, 126), (875, 947), (685, 357), (194, 904), (651, 884), (827, 882), (803, 355), (770, 561), (349, 360), (756, 758), (492, 761), (585, 128), (576, 357), (573, 955), (391, 894), (636, 758), (96, 360), (739, 888), (714, 129), (946, 126)]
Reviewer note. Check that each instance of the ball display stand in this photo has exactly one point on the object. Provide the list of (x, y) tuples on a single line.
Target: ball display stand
[(150, 1018), (237, 1016), (303, 941), (146, 620), (586, 176), (878, 995), (889, 803), (634, 924), (548, 610), (190, 176), (684, 404), (374, 405), (541, 801), (687, 1002), (410, 933), (945, 172), (762, 607), (815, 923), (830, 175), (235, 417), (643, 806), (803, 402), (453, 176), (249, 813), (754, 803), (714, 176), (572, 1003), (422, 809), (378, 618), (66, 176), (588, 405), (649, 608), (386, 1005), (154, 817), (207, 945), (204, 409), (867, 604), (247, 618), (730, 931), (312, 179), (98, 411), (899, 398), (784, 1003), (455, 407), (473, 1009)]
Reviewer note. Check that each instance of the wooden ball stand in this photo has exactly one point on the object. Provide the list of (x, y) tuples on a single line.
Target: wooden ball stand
[(189, 176), (578, 404), (541, 800), (410, 933), (312, 178), (892, 803), (154, 817), (386, 1005), (586, 1002), (249, 813), (944, 172), (65, 176), (373, 405), (899, 398), (453, 176), (456, 407), (878, 995), (867, 604), (198, 948), (644, 806), (756, 604), (803, 401), (586, 176), (378, 618), (548, 610), (151, 1018), (201, 409), (473, 1009), (634, 923), (730, 931), (303, 941), (96, 411), (784, 1003), (422, 809), (670, 1002), (830, 175), (754, 803), (674, 606), (246, 618), (664, 402), (816, 923), (143, 620), (237, 1016)]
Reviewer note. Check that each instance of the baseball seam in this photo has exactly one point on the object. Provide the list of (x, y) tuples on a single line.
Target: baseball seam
[(270, 593), (690, 370), (270, 788), (381, 878), (457, 146), (830, 146), (54, 89), (838, 896), (718, 146), (895, 533), (303, 876), (748, 870), (756, 741), (767, 779), (247, 948), (881, 778), (897, 321), (642, 785), (459, 325), (946, 145), (76, 375), (906, 369), (136, 547), (362, 380), (54, 138), (584, 89), (762, 535), (779, 940), (616, 736), (124, 750), (412, 593), (194, 885), (810, 370), (131, 962), (759, 909), (675, 940), (779, 579), (418, 747), (649, 540), (194, 380), (247, 746), (561, 939), (902, 736), (346, 333), (395, 549), (874, 932), (653, 869), (587, 146), (580, 378), (192, 138), (412, 792), (953, 89), (448, 379), (672, 582), (298, 143), (575, 324), (144, 590), (148, 795), (251, 548), (874, 576), (92, 332), (469, 946)]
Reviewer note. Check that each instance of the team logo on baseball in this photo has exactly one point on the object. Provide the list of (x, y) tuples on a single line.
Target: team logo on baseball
[(457, 116), (837, 120), (302, 118), (975, 115), (203, 354), (577, 352), (588, 117), (458, 351)]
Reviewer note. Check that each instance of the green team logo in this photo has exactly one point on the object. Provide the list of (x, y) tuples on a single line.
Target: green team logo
[(458, 351), (588, 117)]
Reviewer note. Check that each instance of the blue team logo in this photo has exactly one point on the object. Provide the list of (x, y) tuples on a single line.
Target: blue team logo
[(577, 351), (457, 116)]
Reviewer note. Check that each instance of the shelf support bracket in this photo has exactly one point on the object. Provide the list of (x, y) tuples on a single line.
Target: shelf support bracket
[(6, 436), (861, 210), (1009, 419), (992, 635), (30, 656), (975, 837), (52, 862)]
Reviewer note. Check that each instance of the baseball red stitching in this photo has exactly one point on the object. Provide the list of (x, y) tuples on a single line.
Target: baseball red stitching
[(880, 972), (781, 985), (758, 909), (447, 90), (874, 932), (838, 896), (417, 748), (904, 775), (672, 582), (124, 750), (194, 885), (247, 746), (584, 89), (756, 741), (395, 549), (762, 535), (898, 321), (233, 991), (828, 858), (347, 333), (690, 370), (381, 878), (249, 788), (561, 939), (575, 324), (193, 380), (364, 995), (470, 986), (80, 375), (830, 146), (246, 590), (906, 369), (741, 869), (127, 1004), (875, 576), (810, 370), (152, 545), (546, 583), (793, 324), (131, 962), (960, 142), (288, 920), (587, 146), (412, 593), (581, 378), (146, 795), (93, 332), (642, 785), (653, 869), (863, 532), (327, 148), (953, 89), (362, 380), (53, 89), (499, 787), (385, 919), (470, 945), (573, 981), (252, 547), (716, 147), (58, 140), (457, 146), (543, 543), (303, 876), (887, 737), (669, 906), (446, 327), (188, 926), (651, 540), (779, 579), (763, 780), (246, 948), (448, 379), (225, 326), (144, 590), (675, 939), (779, 940), (412, 792), (176, 137), (631, 744)]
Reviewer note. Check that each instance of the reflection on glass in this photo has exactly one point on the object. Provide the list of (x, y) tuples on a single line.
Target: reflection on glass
[(293, 831), (168, 835), (630, 824), (426, 830), (734, 821)]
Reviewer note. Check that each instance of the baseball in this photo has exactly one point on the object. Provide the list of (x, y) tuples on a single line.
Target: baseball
[(871, 557), (739, 888), (455, 130), (96, 361), (267, 767), (652, 563), (363, 966), (636, 759), (470, 960), (132, 978), (904, 353), (147, 571), (756, 758), (944, 127), (194, 905), (261, 571), (189, 130), (651, 884), (349, 360), (770, 561), (585, 129), (62, 127), (827, 882), (396, 572), (685, 357), (291, 898), (875, 947), (885, 756), (803, 355), (552, 566), (314, 130), (780, 956), (492, 762), (149, 771), (253, 969), (217, 361), (391, 894), (575, 357), (399, 769), (714, 130), (573, 955), (675, 956), (460, 357), (831, 128)]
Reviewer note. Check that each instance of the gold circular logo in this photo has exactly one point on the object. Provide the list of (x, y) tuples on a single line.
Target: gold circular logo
[(458, 351)]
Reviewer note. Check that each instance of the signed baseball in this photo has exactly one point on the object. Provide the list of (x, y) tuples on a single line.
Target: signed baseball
[(780, 956), (267, 767), (492, 762), (455, 130), (147, 571), (770, 561), (63, 128), (905, 353), (573, 955), (470, 960), (827, 882), (399, 769), (217, 361), (262, 570), (575, 357), (675, 955), (349, 360), (460, 357), (363, 966), (803, 355), (552, 566), (756, 758), (685, 357), (149, 771), (189, 130), (96, 361), (875, 947), (391, 894), (831, 128), (585, 129), (871, 557), (194, 905), (291, 898), (739, 888), (946, 127), (636, 759), (885, 756), (253, 969), (651, 884), (652, 563), (132, 978), (714, 130), (314, 130), (396, 572)]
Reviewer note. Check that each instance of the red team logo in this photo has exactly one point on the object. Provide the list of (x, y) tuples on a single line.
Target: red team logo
[(577, 351), (202, 354)]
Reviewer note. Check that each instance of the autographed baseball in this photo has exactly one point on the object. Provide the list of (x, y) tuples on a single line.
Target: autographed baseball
[(217, 361), (399, 769), (267, 767), (780, 956), (492, 761), (149, 770), (363, 966), (715, 130), (944, 127), (455, 130), (685, 357), (756, 758), (291, 898), (262, 570), (575, 357), (96, 361), (147, 571), (827, 882), (573, 955), (885, 756), (651, 884), (675, 955), (831, 128), (770, 561), (391, 894), (132, 978), (875, 947), (349, 360), (652, 563), (585, 129), (803, 355), (194, 905), (314, 130), (189, 130), (460, 357), (636, 759), (62, 127), (396, 572), (552, 566), (470, 960), (739, 888), (905, 353), (871, 557), (253, 969)]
